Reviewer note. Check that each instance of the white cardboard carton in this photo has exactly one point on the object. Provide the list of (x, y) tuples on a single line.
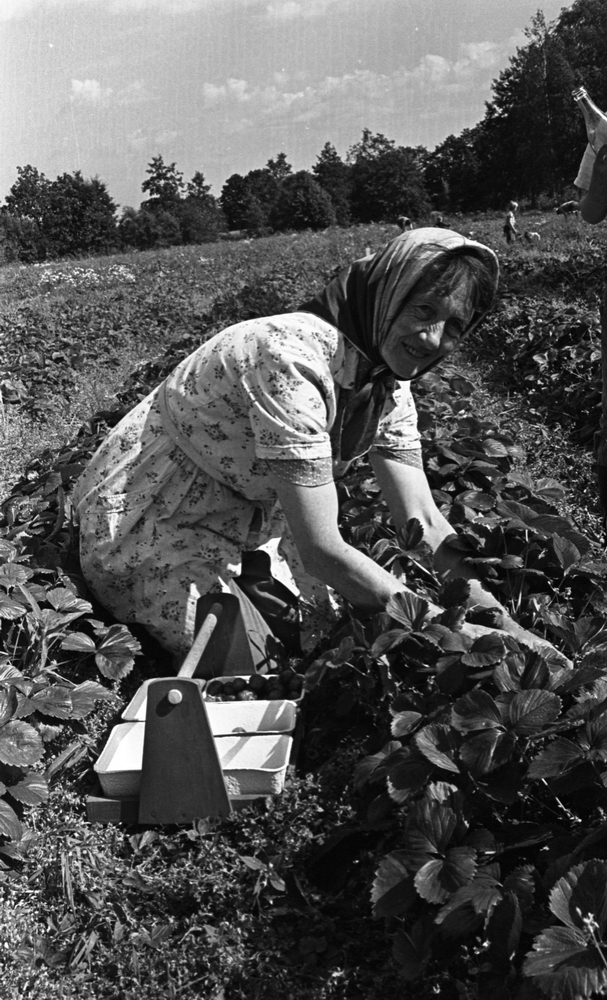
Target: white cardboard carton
[(251, 764)]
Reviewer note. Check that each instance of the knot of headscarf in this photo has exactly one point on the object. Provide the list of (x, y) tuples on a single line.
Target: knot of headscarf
[(362, 301)]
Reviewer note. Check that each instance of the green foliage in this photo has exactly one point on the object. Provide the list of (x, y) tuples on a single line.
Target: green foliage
[(79, 217), (334, 176), (65, 217), (27, 199), (452, 173), (241, 207), (38, 698), (279, 168), (149, 228), (302, 204), (386, 180), (164, 184)]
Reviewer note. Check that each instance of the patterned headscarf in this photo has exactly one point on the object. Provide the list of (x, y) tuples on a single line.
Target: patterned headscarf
[(363, 301)]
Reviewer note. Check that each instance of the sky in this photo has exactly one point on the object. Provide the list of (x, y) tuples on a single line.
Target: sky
[(222, 86)]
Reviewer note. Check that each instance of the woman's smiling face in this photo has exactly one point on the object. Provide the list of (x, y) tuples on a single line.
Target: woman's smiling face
[(429, 327)]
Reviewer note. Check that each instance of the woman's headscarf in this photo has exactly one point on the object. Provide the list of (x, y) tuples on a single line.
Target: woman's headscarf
[(362, 301)]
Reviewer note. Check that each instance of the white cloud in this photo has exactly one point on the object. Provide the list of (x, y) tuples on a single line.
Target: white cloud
[(435, 89), (485, 54), (89, 91), (133, 93), (14, 9), (239, 90), (285, 11), (289, 10), (10, 10), (433, 76)]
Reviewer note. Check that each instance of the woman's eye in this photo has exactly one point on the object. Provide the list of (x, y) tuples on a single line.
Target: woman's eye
[(425, 311), (454, 329)]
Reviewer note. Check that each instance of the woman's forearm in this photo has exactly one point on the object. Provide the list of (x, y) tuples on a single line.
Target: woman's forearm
[(408, 495), (352, 574), (311, 514)]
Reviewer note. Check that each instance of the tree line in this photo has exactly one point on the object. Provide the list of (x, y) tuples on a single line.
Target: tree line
[(527, 147)]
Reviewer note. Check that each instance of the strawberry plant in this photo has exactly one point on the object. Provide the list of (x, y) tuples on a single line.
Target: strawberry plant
[(491, 785), (41, 690)]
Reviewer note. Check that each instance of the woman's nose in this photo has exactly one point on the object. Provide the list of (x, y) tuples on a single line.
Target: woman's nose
[(433, 335)]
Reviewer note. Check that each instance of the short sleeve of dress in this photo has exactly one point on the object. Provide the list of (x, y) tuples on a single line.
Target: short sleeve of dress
[(292, 392), (585, 171), (397, 431)]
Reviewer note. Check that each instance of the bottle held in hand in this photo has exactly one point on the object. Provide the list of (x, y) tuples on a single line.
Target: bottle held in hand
[(596, 120)]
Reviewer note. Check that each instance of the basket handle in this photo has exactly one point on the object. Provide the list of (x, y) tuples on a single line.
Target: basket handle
[(198, 647)]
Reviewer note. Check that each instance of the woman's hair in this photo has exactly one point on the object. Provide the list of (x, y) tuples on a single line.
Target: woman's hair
[(456, 265)]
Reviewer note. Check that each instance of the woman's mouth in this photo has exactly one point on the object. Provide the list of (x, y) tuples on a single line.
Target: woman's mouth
[(418, 355)]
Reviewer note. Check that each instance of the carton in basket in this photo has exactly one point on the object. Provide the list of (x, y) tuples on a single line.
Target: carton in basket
[(251, 764), (231, 717)]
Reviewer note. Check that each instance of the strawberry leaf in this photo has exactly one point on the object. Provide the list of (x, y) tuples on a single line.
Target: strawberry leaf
[(530, 711), (32, 790), (454, 593), (404, 723), (8, 704), (487, 751), (430, 826), (10, 609), (412, 952), (483, 894), (408, 774), (408, 609), (561, 755), (439, 877), (388, 640), (55, 701), (393, 892), (9, 822), (78, 642), (438, 743), (20, 744), (373, 767), (116, 652), (566, 965), (86, 695), (64, 600), (582, 893), (476, 710), (566, 552), (485, 650)]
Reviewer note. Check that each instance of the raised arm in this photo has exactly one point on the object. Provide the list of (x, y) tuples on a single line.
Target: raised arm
[(407, 492), (593, 203), (311, 513)]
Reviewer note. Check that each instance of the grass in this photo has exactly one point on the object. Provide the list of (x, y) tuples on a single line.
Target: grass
[(100, 912)]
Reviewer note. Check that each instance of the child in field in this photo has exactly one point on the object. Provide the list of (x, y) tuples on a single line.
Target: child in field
[(510, 222), (592, 181)]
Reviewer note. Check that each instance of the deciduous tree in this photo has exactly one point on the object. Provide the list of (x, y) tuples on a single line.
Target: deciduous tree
[(333, 175), (164, 184), (302, 204), (386, 180)]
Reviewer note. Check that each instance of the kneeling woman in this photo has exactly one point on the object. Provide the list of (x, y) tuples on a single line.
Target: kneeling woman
[(231, 462)]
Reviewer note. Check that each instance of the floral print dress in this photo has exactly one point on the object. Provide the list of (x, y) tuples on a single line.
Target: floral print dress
[(180, 487)]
